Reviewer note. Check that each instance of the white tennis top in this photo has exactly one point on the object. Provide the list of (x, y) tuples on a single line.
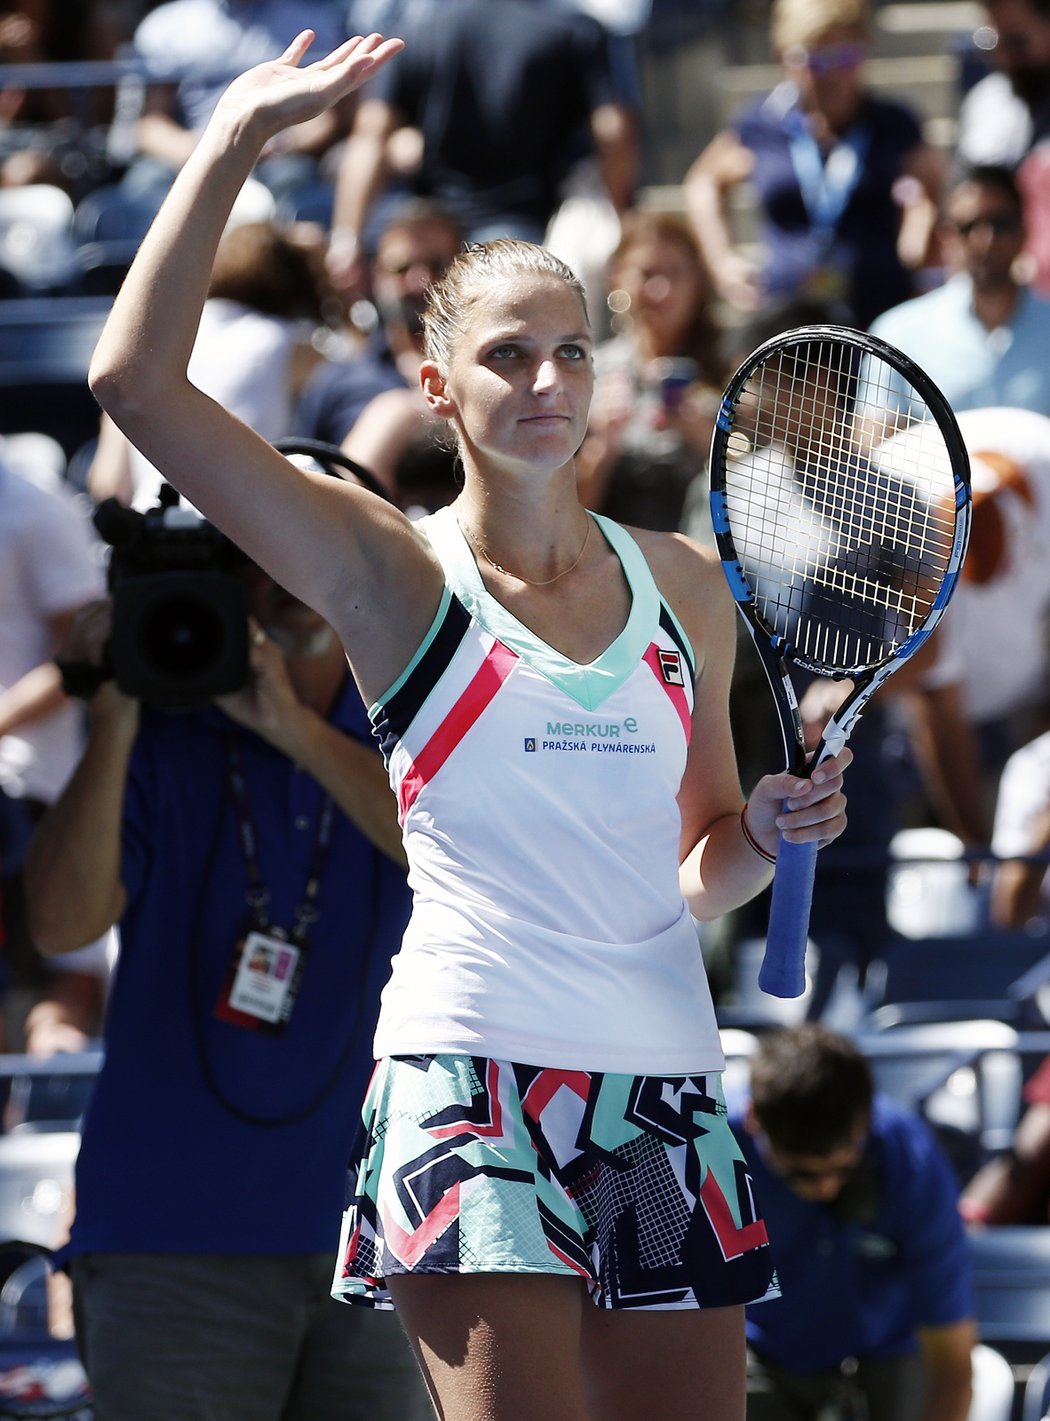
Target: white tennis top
[(537, 801)]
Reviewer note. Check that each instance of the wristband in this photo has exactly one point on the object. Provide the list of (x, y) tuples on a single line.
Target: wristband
[(752, 842)]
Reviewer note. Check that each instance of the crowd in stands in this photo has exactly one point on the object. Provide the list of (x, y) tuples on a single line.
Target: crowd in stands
[(124, 920)]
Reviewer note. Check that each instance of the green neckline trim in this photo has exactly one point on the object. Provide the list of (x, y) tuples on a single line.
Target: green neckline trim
[(588, 684)]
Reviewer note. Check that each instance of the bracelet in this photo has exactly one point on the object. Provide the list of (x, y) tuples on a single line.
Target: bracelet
[(752, 842)]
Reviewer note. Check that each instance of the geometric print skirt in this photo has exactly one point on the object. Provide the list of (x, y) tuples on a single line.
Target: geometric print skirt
[(634, 1184)]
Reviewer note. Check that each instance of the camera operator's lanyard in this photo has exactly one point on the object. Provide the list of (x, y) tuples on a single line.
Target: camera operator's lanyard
[(263, 979)]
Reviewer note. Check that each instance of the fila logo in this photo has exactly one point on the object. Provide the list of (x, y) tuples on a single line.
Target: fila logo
[(671, 666)]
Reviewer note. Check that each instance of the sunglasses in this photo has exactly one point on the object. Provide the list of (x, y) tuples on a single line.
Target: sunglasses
[(812, 1174), (999, 226), (828, 58)]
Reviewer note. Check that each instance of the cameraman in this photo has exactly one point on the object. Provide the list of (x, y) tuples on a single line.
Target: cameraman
[(250, 852)]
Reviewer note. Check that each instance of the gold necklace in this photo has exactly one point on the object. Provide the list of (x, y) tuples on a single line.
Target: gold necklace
[(473, 539)]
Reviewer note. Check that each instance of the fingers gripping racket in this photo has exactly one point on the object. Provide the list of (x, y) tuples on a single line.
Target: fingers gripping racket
[(840, 496)]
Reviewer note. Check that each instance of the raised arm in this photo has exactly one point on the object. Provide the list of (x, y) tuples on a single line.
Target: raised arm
[(349, 554)]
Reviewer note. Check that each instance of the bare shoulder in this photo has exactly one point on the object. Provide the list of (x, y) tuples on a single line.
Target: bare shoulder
[(691, 580), (385, 598)]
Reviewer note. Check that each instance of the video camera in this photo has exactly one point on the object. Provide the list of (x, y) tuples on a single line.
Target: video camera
[(180, 618)]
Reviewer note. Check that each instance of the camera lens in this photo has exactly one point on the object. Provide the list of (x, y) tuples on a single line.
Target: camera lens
[(182, 636)]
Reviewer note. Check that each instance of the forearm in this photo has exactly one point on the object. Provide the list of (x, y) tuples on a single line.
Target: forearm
[(72, 876), (149, 336), (948, 1396), (706, 207), (362, 173), (36, 694), (352, 773), (722, 871), (160, 137), (614, 132)]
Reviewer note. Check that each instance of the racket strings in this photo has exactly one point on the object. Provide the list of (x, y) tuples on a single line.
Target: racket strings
[(840, 495)]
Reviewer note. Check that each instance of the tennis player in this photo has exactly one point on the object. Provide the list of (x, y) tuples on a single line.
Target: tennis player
[(545, 1130)]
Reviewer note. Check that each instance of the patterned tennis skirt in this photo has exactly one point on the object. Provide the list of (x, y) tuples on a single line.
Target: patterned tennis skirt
[(634, 1184)]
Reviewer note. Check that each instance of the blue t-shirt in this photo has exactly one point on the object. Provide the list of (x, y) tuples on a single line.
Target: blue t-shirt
[(204, 1136), (973, 367), (857, 231), (858, 1277), (337, 392)]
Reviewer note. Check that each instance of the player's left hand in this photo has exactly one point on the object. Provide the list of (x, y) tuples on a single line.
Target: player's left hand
[(805, 811)]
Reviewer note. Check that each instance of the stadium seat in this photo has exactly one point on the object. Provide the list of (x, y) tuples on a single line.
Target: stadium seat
[(109, 214), (36, 236), (46, 343), (1012, 1281), (987, 972), (993, 1385), (1036, 1403)]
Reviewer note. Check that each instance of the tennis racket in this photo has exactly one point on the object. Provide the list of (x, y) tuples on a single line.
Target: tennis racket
[(840, 496)]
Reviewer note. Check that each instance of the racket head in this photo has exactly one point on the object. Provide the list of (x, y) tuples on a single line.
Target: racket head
[(840, 498)]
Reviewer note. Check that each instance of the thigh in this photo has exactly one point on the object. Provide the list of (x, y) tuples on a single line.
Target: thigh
[(356, 1364), (673, 1364), (188, 1338), (497, 1347)]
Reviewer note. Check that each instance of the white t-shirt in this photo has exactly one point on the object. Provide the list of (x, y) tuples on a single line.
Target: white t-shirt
[(1024, 798), (993, 636), (242, 359), (50, 562)]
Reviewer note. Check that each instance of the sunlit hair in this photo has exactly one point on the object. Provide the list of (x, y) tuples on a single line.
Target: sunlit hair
[(700, 337), (259, 267), (474, 273), (805, 22)]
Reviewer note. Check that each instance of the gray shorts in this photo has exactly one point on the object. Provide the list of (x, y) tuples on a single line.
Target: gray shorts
[(213, 1338), (871, 1389)]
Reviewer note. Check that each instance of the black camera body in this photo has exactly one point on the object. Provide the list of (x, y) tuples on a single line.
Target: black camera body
[(180, 616)]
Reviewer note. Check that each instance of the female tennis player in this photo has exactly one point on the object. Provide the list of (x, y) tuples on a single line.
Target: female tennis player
[(548, 1191)]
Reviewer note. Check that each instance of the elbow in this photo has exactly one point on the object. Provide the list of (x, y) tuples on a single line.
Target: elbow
[(111, 387)]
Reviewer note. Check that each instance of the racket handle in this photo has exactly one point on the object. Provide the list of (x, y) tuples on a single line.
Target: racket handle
[(783, 971)]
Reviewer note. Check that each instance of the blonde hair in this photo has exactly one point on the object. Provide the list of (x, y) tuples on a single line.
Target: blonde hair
[(475, 271), (804, 22)]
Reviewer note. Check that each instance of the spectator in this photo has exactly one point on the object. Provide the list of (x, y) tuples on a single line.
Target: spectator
[(1014, 1188), (50, 566), (981, 336), (845, 186), (211, 1170), (871, 1256), (202, 44), (1005, 118), (53, 135), (253, 353), (990, 669), (1006, 113), (415, 247), (657, 381), (491, 154), (1020, 897)]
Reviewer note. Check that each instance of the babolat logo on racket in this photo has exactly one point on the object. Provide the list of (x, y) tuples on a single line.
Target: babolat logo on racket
[(671, 667)]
